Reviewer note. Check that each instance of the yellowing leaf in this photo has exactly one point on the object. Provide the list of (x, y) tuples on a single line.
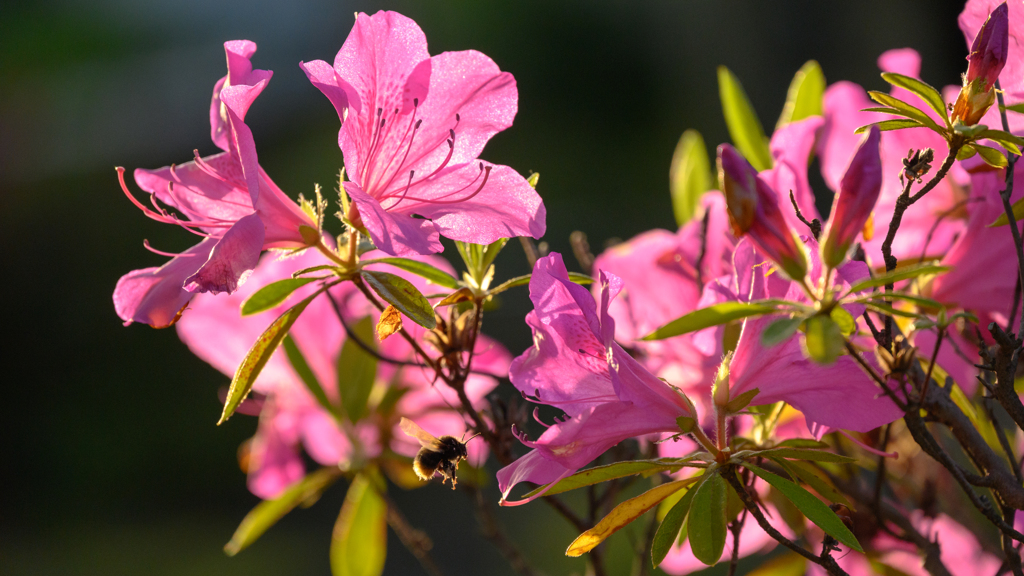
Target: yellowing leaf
[(389, 323)]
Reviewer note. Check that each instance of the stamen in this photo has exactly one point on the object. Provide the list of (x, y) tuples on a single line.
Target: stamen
[(874, 451), (145, 244), (536, 416), (162, 216), (486, 171), (405, 191)]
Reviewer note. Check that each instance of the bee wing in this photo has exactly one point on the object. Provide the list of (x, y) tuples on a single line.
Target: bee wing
[(426, 439)]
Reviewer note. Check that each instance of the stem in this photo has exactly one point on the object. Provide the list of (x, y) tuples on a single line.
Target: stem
[(736, 527), (492, 531), (827, 562), (415, 541), (931, 365), (1011, 161), (331, 255)]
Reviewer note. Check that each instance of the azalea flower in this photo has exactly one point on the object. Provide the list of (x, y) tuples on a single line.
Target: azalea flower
[(412, 128), (290, 417), (986, 61), (576, 366), (856, 198), (226, 198)]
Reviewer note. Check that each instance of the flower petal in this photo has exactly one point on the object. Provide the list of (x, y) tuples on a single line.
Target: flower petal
[(232, 259), (394, 233), (155, 295)]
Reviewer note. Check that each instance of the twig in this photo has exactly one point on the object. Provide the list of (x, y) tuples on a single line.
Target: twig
[(415, 541), (814, 225), (828, 563), (880, 471), (1004, 443), (492, 531), (874, 375), (1011, 161), (736, 527), (931, 365)]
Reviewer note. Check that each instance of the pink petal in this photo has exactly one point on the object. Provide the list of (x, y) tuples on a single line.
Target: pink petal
[(155, 295), (502, 206), (232, 259), (533, 467), (199, 195), (274, 463), (971, 19), (323, 76), (395, 234)]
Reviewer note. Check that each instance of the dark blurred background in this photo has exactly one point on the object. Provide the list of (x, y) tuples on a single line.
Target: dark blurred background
[(111, 460)]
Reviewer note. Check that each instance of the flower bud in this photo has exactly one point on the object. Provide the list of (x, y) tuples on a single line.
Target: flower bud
[(856, 198), (754, 211), (720, 389), (986, 61)]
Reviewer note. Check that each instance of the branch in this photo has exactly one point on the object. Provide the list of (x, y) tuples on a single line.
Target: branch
[(415, 541), (814, 225), (492, 531), (736, 527), (827, 562)]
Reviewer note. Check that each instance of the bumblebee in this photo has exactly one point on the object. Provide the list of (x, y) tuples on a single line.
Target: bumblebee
[(436, 454)]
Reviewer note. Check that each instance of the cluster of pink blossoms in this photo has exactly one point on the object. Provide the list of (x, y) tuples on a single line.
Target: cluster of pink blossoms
[(412, 128)]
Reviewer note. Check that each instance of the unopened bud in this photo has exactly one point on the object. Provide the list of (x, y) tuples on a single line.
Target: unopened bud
[(858, 193), (753, 209), (986, 61), (720, 389)]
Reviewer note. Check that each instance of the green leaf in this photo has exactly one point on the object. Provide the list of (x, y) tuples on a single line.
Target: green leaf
[(804, 98), (707, 527), (815, 510), (670, 526), (357, 370), (301, 367), (259, 354), (1018, 214), (780, 330), (742, 401), (312, 269), (713, 315), (578, 278), (491, 252), (919, 300), (806, 454), (844, 319), (744, 128), (273, 294), (422, 269), (882, 308), (1019, 108), (1005, 139), (928, 94), (268, 512), (785, 565), (623, 514), (401, 294), (886, 125), (809, 475), (689, 176), (524, 280), (604, 473), (801, 443), (965, 152), (897, 275), (823, 341), (990, 155), (359, 541), (901, 108)]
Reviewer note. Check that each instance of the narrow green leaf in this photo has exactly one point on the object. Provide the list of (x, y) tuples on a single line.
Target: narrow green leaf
[(881, 308), (903, 109), (785, 565), (898, 275), (578, 278), (401, 294), (268, 512), (312, 269), (623, 514), (804, 98), (990, 155), (357, 370), (713, 315), (258, 356), (273, 294), (928, 94), (823, 341), (965, 152), (491, 252), (745, 129), (801, 443), (886, 125), (815, 510), (1018, 214), (707, 527), (301, 367), (1019, 108), (1007, 140), (359, 541), (422, 269), (742, 401), (525, 279), (806, 454), (689, 175), (780, 330), (670, 527), (604, 473), (809, 475), (919, 300), (844, 319)]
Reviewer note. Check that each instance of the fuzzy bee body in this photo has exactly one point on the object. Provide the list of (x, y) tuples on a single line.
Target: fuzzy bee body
[(437, 455)]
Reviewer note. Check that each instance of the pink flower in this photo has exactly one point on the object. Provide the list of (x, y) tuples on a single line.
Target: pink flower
[(986, 61), (858, 192), (663, 276), (226, 198), (1011, 77), (291, 417), (930, 226), (412, 128), (754, 211), (838, 396), (575, 366)]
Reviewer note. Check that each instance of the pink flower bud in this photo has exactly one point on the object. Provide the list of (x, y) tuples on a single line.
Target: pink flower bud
[(856, 198), (754, 210), (986, 61)]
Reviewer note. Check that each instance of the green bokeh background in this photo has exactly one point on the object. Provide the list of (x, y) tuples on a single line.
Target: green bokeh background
[(111, 460)]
